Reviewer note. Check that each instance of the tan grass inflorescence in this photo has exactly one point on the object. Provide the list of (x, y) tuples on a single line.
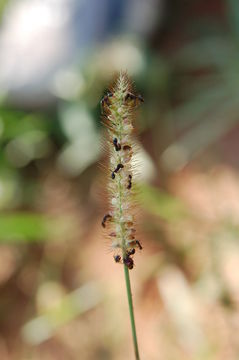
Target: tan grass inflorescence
[(118, 109)]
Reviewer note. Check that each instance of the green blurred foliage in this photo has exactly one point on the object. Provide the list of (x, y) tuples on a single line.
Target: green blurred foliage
[(160, 203), (23, 227)]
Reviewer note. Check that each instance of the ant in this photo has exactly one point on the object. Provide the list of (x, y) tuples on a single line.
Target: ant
[(116, 145), (117, 258), (131, 252), (105, 218), (136, 98), (129, 182), (139, 245), (128, 261), (118, 167), (135, 242), (105, 100)]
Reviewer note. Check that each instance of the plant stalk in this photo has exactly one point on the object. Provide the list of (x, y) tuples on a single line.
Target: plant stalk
[(131, 312)]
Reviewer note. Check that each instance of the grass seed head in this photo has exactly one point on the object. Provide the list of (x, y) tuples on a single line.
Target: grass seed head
[(118, 110)]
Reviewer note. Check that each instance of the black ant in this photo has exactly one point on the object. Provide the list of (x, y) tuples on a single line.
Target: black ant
[(134, 242), (139, 245), (129, 262), (131, 252), (105, 218), (129, 182), (136, 98), (105, 100), (116, 145), (117, 258), (118, 167)]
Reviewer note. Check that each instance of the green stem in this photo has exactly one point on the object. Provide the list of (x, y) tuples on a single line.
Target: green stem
[(131, 312)]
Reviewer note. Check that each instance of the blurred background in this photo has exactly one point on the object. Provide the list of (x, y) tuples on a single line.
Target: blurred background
[(61, 294)]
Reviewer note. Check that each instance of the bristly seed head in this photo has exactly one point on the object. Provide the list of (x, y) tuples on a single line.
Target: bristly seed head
[(118, 111)]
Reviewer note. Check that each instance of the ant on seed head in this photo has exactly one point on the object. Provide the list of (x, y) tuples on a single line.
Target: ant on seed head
[(105, 100), (129, 182), (131, 252), (139, 245), (118, 167), (116, 144), (129, 262), (105, 218), (117, 258), (133, 242), (136, 98)]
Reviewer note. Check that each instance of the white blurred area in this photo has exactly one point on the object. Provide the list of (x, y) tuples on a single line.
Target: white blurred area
[(33, 43), (41, 39)]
